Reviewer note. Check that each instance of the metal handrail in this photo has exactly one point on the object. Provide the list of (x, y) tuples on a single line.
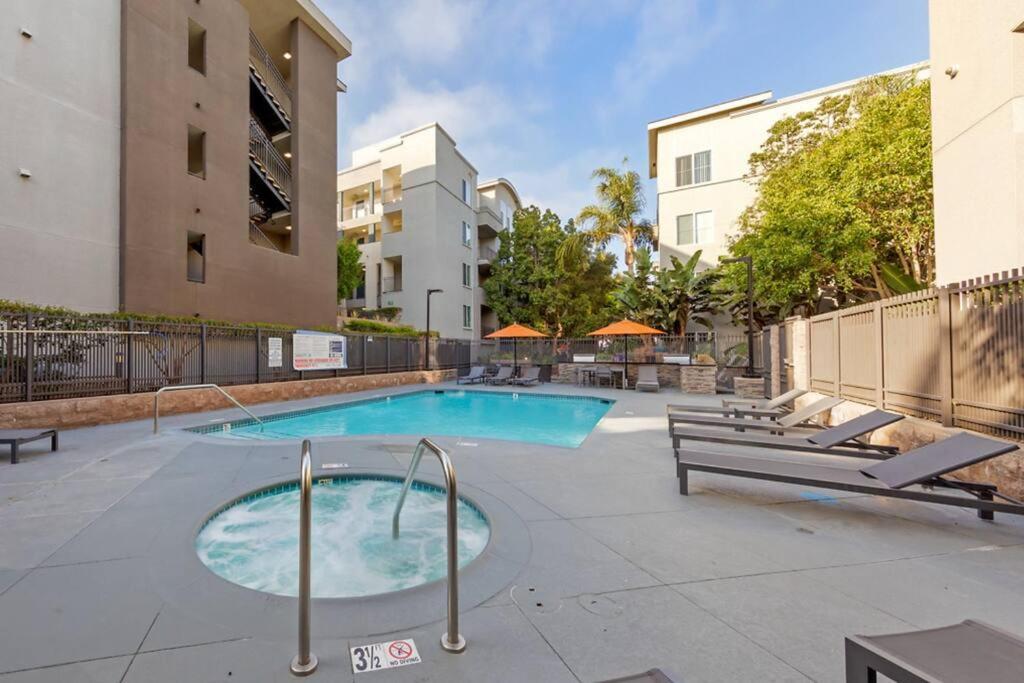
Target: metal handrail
[(305, 662), (183, 387), (262, 149), (459, 643)]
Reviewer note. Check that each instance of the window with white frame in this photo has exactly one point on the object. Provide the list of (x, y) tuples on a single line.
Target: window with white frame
[(467, 275), (506, 216), (693, 169), (467, 317), (695, 228), (467, 234)]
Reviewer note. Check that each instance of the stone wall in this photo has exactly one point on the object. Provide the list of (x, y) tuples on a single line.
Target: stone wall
[(693, 379), (87, 412), (749, 387), (697, 379)]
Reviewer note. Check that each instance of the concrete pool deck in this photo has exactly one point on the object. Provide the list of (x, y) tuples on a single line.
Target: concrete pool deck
[(740, 581)]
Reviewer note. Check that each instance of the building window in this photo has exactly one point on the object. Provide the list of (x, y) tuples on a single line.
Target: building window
[(196, 47), (506, 216), (196, 152), (693, 169), (195, 256), (695, 228), (467, 275), (467, 234), (467, 317), (465, 190)]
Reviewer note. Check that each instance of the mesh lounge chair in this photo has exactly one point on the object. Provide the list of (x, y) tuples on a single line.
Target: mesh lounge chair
[(476, 374), (647, 378), (529, 377), (829, 441), (15, 438), (798, 418), (891, 478), (775, 407), (503, 376)]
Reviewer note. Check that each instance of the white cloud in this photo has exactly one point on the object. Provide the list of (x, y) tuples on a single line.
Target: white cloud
[(434, 31)]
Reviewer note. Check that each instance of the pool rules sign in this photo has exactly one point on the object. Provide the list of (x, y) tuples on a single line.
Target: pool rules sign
[(318, 351), (387, 655)]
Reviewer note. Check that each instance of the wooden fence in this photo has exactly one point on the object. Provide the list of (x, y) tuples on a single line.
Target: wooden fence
[(954, 354)]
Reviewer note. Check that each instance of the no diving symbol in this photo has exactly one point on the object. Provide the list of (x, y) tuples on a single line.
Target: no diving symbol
[(400, 649)]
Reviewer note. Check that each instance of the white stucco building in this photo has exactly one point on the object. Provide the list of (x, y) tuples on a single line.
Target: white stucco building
[(424, 221)]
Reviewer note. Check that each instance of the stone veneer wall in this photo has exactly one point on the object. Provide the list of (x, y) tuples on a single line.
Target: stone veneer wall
[(749, 387), (87, 412), (691, 379)]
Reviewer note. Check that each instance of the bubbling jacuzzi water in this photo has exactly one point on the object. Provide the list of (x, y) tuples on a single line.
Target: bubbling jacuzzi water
[(254, 542)]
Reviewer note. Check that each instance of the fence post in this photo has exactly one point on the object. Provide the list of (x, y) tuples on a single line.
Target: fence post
[(129, 355), (878, 310), (946, 356), (837, 359), (387, 355), (259, 343), (364, 354), (775, 360), (30, 357), (408, 354), (202, 353)]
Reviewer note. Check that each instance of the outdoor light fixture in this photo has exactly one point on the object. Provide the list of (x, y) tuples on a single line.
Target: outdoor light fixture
[(288, 228), (287, 155), (287, 55), (24, 173), (749, 372), (426, 338)]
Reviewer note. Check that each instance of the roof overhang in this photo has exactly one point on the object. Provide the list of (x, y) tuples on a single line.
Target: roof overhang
[(270, 19), (487, 184)]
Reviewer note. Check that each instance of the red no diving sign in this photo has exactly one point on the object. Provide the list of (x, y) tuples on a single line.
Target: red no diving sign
[(387, 655), (400, 649)]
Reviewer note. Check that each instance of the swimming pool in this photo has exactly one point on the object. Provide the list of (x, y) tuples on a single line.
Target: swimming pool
[(536, 418), (254, 541)]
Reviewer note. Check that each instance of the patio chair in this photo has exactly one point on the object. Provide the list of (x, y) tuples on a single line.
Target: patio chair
[(15, 438), (775, 407), (649, 676), (604, 373), (476, 374), (503, 376), (647, 378), (890, 478), (798, 418), (831, 441), (529, 377), (968, 651)]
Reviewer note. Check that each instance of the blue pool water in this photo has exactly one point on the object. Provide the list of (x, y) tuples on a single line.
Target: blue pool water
[(254, 542), (552, 420)]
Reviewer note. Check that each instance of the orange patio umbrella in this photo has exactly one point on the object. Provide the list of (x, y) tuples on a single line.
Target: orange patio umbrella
[(624, 328), (515, 332)]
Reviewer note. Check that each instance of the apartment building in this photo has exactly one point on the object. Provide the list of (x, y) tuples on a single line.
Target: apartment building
[(171, 157), (977, 51), (700, 162), (424, 222)]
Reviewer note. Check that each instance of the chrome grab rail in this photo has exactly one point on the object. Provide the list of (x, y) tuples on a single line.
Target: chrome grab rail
[(459, 643), (305, 662), (183, 387)]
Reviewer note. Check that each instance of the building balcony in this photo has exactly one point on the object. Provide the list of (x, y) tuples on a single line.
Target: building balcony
[(392, 199), (270, 176), (485, 258), (270, 97), (391, 284), (488, 222)]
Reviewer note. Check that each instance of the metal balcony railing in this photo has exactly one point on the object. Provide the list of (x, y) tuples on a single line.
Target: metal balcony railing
[(359, 211), (487, 254), (391, 284), (392, 194), (259, 238), (263, 152), (268, 71)]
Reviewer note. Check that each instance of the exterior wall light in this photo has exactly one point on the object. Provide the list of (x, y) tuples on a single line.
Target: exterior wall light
[(287, 55)]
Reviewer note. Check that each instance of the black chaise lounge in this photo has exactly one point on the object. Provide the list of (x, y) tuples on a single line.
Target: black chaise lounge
[(475, 374), (968, 651), (775, 407), (838, 440), (16, 437), (798, 418), (922, 466)]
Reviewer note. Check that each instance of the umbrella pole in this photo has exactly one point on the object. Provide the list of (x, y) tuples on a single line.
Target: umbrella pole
[(625, 366), (514, 355)]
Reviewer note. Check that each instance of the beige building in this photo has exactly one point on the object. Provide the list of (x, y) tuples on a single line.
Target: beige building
[(170, 157), (977, 51), (700, 161), (423, 221)]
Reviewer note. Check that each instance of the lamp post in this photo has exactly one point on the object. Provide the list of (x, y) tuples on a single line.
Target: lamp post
[(426, 339), (749, 372)]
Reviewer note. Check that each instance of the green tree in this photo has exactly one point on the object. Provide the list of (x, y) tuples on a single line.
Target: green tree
[(667, 299), (618, 213), (844, 203), (532, 285), (350, 268)]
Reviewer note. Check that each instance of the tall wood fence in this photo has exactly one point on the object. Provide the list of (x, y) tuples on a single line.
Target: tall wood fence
[(953, 354)]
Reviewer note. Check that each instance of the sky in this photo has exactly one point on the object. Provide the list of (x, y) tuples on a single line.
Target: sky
[(544, 91)]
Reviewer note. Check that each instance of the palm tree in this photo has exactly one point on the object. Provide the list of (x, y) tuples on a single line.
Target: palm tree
[(621, 202)]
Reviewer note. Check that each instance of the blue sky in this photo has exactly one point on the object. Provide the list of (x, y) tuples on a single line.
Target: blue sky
[(544, 91)]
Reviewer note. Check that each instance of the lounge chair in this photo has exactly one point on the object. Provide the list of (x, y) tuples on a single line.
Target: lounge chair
[(828, 441), (503, 376), (15, 438), (891, 478), (476, 374), (529, 377), (968, 651), (649, 676), (647, 378), (775, 407), (798, 418)]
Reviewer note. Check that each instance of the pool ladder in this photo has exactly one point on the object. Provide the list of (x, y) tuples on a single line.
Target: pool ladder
[(186, 387), (305, 662)]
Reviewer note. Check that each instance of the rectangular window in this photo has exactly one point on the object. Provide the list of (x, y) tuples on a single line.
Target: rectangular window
[(467, 234), (695, 228), (465, 190), (693, 169), (467, 275), (196, 47), (467, 317), (196, 152), (195, 256)]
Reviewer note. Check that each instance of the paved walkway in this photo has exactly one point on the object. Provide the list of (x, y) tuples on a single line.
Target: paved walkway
[(740, 581)]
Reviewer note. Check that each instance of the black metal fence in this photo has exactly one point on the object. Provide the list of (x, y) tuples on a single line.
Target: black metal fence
[(49, 357)]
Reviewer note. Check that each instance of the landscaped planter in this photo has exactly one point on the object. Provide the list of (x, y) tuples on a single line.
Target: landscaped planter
[(697, 379)]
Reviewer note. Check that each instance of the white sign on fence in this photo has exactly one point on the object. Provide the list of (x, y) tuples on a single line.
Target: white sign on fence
[(318, 351), (275, 352)]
